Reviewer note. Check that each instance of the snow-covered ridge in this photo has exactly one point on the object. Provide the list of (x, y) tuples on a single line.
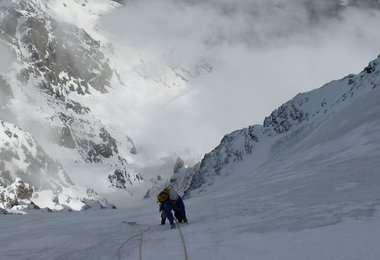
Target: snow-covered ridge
[(298, 117), (321, 102)]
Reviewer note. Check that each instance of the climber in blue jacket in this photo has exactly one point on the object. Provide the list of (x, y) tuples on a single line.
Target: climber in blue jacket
[(174, 202)]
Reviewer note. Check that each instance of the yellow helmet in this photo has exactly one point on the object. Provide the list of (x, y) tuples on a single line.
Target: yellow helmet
[(163, 195)]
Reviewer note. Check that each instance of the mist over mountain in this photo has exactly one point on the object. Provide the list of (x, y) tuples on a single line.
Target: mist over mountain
[(221, 59)]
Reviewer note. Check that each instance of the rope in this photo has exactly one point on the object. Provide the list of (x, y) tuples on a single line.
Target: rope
[(140, 234), (183, 241), (142, 237), (123, 244)]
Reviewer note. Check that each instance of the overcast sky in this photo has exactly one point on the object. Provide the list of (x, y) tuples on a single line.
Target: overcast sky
[(262, 53)]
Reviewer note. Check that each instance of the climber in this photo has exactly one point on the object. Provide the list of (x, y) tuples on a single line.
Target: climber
[(170, 201)]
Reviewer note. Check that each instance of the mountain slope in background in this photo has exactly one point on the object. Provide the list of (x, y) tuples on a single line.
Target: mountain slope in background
[(313, 163), (56, 70)]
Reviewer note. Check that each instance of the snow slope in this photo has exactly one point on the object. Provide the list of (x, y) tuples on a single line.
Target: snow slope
[(218, 230)]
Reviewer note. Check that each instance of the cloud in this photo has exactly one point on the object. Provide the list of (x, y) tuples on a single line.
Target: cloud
[(5, 2), (262, 53), (7, 59)]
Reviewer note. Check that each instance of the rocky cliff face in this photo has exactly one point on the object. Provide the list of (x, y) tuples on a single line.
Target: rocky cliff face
[(295, 119), (56, 66), (30, 178), (21, 157)]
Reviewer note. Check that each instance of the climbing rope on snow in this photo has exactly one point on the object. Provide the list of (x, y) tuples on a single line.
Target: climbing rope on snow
[(183, 241), (142, 237), (140, 234)]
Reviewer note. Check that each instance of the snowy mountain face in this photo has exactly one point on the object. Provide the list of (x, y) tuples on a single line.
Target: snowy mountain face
[(316, 153), (34, 165), (30, 178), (51, 69), (57, 71), (58, 65)]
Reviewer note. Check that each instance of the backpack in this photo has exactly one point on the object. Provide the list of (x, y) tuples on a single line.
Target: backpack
[(163, 195)]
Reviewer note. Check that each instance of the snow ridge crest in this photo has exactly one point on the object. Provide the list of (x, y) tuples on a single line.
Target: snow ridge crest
[(305, 111)]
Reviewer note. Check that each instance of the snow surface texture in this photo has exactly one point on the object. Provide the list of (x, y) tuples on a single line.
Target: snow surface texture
[(221, 227)]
